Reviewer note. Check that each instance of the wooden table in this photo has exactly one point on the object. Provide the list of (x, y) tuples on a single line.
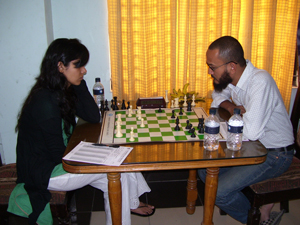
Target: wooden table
[(166, 156)]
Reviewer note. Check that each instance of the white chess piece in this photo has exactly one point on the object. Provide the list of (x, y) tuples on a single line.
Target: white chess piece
[(193, 102), (119, 132), (176, 104), (142, 123), (131, 135), (172, 104), (130, 111), (184, 104), (139, 116), (139, 110), (119, 118), (167, 100)]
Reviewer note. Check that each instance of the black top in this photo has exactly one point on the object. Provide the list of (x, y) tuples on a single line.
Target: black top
[(40, 144)]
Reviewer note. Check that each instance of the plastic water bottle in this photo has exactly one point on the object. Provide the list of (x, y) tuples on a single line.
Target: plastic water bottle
[(98, 92), (211, 131), (235, 131)]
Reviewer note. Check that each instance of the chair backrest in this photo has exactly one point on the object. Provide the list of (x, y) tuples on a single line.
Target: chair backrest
[(295, 120)]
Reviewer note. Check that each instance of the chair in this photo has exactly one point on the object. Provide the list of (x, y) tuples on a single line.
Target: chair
[(60, 203), (280, 189)]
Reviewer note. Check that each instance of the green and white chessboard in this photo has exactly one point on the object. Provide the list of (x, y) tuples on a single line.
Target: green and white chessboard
[(159, 126)]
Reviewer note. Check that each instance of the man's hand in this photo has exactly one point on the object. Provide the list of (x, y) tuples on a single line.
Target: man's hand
[(229, 106)]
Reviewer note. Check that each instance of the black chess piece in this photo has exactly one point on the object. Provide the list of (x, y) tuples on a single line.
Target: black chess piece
[(191, 128), (173, 114), (189, 107), (180, 112), (112, 104), (128, 104), (187, 124), (201, 125), (106, 106), (177, 125), (116, 104), (159, 110), (193, 133), (102, 106), (123, 104)]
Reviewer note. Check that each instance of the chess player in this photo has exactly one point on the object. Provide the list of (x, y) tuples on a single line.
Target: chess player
[(44, 126), (239, 84)]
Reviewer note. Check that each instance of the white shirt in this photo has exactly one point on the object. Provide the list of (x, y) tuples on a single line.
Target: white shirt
[(266, 118)]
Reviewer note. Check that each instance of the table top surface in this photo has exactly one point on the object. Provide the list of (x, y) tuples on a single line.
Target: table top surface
[(164, 156)]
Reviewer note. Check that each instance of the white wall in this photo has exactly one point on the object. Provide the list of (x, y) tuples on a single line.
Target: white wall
[(23, 42)]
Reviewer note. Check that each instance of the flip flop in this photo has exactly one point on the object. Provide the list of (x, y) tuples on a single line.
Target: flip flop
[(143, 215)]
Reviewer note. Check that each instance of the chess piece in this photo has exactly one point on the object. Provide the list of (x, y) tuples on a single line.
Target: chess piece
[(119, 118), (130, 111), (187, 124), (193, 133), (131, 135), (184, 103), (193, 102), (189, 107), (176, 104), (106, 106), (159, 110), (116, 104), (167, 100), (123, 105), (177, 124), (173, 114), (142, 123), (119, 133), (128, 103), (180, 112), (172, 104)]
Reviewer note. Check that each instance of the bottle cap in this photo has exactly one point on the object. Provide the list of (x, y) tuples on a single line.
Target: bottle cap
[(212, 111), (97, 79), (237, 111)]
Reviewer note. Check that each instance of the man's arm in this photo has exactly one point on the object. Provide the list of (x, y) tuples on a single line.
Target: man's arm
[(229, 106)]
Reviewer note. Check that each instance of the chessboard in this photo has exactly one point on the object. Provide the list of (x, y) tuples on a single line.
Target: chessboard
[(152, 125)]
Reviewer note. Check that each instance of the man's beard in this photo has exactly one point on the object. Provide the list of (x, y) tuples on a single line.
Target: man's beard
[(223, 82)]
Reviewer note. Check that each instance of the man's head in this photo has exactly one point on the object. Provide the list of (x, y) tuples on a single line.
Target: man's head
[(226, 62)]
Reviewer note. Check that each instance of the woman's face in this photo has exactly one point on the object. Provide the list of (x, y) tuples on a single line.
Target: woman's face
[(74, 75)]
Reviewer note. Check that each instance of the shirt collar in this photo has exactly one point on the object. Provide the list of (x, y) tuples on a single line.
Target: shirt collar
[(243, 81)]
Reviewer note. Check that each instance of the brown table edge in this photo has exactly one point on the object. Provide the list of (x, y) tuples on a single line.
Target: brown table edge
[(137, 167)]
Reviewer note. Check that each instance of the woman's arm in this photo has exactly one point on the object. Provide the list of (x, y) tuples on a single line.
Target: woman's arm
[(86, 107)]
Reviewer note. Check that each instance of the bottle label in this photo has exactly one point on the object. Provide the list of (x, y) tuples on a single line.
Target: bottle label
[(212, 130), (234, 129), (98, 92)]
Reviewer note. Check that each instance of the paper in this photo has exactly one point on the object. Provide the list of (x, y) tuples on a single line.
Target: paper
[(223, 132), (104, 155)]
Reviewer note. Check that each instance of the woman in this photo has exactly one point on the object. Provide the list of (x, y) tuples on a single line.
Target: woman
[(45, 124)]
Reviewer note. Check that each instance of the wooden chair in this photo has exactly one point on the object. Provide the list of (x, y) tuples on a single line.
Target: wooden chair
[(60, 202)]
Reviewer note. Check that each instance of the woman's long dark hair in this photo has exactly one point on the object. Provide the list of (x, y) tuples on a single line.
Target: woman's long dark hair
[(60, 50)]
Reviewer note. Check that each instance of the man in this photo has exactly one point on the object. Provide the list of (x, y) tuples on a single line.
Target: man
[(238, 84)]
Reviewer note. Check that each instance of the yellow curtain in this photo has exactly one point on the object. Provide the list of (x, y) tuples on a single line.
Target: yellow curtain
[(159, 45)]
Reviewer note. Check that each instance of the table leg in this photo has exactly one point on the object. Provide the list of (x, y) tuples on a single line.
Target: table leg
[(115, 197), (211, 185), (192, 192)]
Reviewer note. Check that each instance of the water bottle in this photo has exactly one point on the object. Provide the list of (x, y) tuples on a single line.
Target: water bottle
[(235, 131), (98, 92), (211, 131)]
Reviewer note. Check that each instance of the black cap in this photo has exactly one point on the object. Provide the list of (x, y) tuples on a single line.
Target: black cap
[(237, 111), (97, 79), (212, 111)]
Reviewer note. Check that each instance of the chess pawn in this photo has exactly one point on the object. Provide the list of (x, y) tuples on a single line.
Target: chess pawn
[(131, 135), (193, 102), (142, 123), (167, 100), (176, 104), (119, 133), (130, 111), (172, 105)]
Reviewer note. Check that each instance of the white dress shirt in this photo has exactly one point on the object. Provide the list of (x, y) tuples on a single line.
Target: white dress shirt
[(266, 118)]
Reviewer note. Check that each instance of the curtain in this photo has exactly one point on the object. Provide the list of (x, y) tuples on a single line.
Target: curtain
[(159, 45)]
